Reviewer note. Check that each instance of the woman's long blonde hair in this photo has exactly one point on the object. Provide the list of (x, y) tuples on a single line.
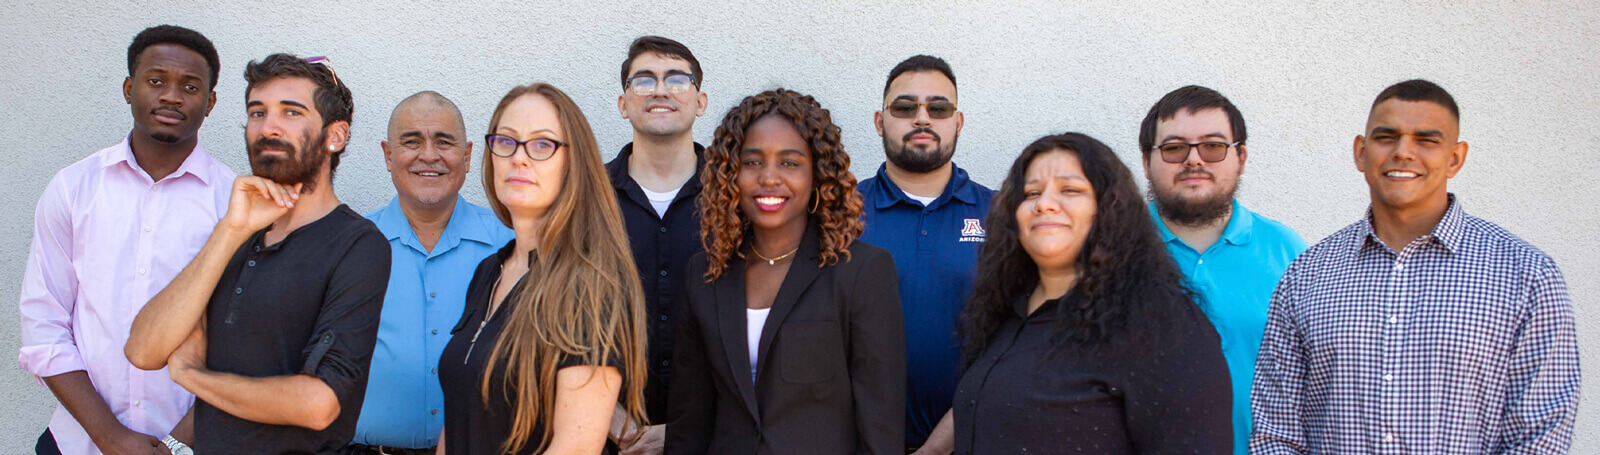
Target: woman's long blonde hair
[(582, 297)]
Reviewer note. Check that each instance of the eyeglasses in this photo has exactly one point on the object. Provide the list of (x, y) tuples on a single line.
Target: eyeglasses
[(1210, 151), (328, 63), (674, 83), (538, 148), (904, 108)]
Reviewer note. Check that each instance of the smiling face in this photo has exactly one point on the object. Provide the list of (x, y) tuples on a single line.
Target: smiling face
[(775, 175), (528, 188), (1195, 191), (287, 142), (1057, 210), (661, 113), (426, 153), (1409, 153), (921, 143), (169, 93)]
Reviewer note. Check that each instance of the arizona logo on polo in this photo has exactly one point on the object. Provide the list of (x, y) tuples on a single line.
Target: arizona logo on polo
[(971, 231)]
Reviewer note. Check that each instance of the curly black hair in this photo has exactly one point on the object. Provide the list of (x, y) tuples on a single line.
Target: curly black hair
[(1128, 284), (172, 34), (723, 228)]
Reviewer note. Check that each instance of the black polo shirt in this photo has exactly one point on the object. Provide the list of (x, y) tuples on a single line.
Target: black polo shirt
[(662, 246), (1168, 394), (306, 305)]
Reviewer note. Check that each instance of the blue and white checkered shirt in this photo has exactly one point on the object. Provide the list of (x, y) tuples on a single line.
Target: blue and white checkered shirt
[(1462, 342)]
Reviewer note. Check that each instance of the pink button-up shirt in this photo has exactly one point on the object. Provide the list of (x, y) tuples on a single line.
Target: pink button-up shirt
[(106, 239)]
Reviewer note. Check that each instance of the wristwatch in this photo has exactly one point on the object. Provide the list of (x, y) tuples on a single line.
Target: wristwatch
[(177, 448)]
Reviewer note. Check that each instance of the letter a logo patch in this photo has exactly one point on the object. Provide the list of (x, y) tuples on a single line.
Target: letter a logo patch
[(971, 231)]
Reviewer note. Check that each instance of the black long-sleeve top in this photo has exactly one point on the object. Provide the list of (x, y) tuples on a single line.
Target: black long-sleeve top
[(1025, 394)]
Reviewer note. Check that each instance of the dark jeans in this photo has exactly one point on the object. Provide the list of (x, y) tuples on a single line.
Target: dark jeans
[(47, 444), (362, 449)]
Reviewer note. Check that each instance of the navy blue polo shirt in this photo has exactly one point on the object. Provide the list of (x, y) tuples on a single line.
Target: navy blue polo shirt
[(935, 251)]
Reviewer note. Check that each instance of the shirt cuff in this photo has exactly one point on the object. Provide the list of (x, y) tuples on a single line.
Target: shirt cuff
[(50, 360)]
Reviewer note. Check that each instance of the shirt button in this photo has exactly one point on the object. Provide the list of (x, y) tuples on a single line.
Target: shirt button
[(252, 263), (1388, 377), (924, 233), (663, 229), (1398, 266), (147, 228), (434, 412), (435, 371), (238, 291), (136, 403), (435, 331), (663, 317), (666, 362), (433, 294), (1393, 319), (1388, 437), (258, 248), (141, 270), (663, 273), (1199, 261)]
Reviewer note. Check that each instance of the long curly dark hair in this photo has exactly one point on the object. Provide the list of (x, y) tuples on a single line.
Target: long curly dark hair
[(1129, 286), (724, 228)]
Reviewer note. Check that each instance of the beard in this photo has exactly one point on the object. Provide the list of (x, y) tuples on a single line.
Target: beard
[(1186, 211), (916, 160), (299, 167), (165, 138)]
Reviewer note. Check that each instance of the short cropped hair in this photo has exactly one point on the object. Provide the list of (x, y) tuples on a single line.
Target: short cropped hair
[(664, 46), (1192, 98), (332, 98), (1419, 90), (172, 34), (918, 64)]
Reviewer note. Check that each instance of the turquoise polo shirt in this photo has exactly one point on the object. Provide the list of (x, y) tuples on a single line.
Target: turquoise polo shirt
[(404, 406), (1234, 279)]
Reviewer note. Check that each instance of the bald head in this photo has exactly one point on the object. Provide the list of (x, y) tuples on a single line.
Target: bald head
[(424, 104), (427, 152)]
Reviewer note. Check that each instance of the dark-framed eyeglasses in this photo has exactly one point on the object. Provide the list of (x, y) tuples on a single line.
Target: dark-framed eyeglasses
[(674, 83), (539, 148), (1210, 151), (325, 62), (937, 109)]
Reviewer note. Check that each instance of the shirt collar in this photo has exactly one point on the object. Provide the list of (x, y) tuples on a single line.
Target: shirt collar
[(958, 189), (1450, 232), (193, 165), (1238, 232), (618, 170), (462, 226)]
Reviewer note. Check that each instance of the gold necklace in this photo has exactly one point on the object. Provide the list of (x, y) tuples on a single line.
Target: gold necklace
[(773, 261)]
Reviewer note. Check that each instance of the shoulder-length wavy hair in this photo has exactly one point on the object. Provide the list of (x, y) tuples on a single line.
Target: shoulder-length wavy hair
[(724, 228), (582, 297), (1128, 283)]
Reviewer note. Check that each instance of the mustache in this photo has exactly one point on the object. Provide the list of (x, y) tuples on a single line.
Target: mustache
[(440, 168), (170, 111), (1186, 173), (913, 132), (269, 142)]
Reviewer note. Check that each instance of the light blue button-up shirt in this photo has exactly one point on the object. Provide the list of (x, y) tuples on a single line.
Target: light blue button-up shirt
[(1235, 278), (404, 406)]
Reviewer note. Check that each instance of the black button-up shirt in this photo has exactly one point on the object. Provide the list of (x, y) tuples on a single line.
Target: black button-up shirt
[(306, 305), (662, 246), (1026, 393)]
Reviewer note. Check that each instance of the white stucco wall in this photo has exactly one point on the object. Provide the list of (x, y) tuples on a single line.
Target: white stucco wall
[(1304, 73)]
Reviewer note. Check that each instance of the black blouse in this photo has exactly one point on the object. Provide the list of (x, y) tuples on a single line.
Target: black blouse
[(1027, 394), (471, 426)]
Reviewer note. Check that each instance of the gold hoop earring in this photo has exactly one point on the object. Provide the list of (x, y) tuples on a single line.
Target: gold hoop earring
[(815, 202)]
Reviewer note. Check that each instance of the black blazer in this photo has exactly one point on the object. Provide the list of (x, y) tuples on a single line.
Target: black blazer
[(832, 357)]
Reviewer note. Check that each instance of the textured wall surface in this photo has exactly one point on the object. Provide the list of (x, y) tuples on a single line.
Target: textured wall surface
[(1304, 73)]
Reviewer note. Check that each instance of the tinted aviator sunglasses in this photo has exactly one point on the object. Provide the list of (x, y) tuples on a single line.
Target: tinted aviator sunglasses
[(1210, 151), (937, 109)]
